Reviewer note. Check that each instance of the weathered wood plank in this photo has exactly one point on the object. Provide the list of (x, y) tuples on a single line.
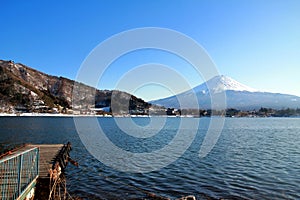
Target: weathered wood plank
[(48, 153)]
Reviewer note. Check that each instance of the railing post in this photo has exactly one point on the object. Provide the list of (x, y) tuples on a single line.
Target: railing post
[(20, 174), (37, 161)]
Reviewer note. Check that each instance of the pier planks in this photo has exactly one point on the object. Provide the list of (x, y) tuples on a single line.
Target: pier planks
[(48, 153)]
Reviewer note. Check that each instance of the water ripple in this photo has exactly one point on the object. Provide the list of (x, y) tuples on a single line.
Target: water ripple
[(253, 159)]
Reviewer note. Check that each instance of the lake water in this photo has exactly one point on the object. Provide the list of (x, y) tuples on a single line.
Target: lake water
[(254, 158)]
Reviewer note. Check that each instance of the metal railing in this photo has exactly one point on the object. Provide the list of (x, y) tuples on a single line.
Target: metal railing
[(18, 172)]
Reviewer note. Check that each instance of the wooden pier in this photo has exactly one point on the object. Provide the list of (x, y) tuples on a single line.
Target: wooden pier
[(48, 153), (27, 167)]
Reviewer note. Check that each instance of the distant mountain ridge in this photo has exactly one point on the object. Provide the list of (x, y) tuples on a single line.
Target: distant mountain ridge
[(24, 88), (238, 96)]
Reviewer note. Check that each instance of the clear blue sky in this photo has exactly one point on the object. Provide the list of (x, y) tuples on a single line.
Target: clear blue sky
[(255, 42)]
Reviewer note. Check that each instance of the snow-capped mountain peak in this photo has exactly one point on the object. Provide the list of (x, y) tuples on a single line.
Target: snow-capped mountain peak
[(222, 83), (238, 96)]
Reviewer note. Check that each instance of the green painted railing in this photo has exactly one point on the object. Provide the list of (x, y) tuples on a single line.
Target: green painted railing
[(18, 173)]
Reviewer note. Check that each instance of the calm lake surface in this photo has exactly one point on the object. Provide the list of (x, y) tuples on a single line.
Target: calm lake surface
[(254, 158)]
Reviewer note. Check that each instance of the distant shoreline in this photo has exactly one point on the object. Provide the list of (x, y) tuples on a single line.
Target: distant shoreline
[(81, 115), (132, 116), (46, 115)]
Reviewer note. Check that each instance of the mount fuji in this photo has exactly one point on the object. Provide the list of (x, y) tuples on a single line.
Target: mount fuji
[(237, 96)]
